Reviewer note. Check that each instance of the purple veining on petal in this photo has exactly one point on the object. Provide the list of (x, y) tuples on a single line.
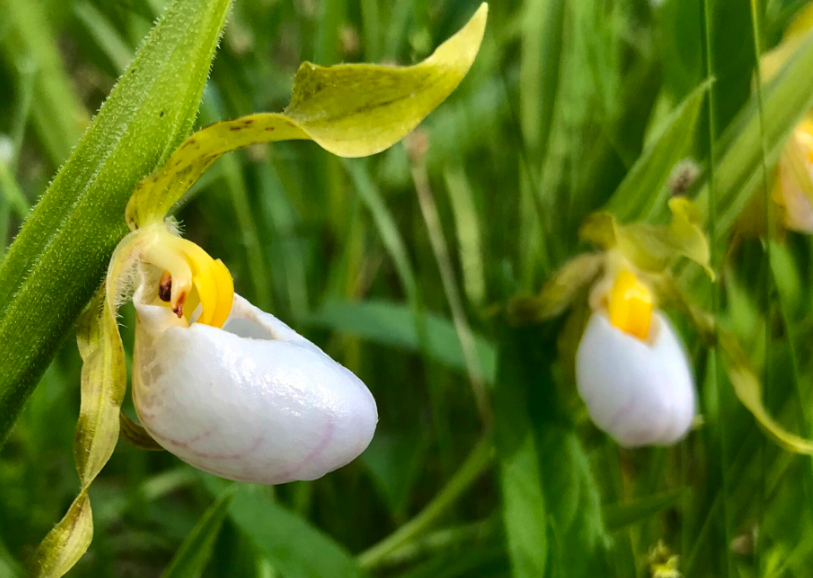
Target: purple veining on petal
[(213, 456), (327, 437), (620, 413)]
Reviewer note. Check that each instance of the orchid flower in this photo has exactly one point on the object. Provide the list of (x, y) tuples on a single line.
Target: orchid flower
[(631, 369), (231, 389), (793, 183), (226, 387)]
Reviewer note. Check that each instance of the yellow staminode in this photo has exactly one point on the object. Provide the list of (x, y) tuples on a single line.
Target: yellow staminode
[(630, 305), (196, 279)]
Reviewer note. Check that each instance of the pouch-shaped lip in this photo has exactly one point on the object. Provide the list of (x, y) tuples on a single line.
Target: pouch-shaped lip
[(639, 392), (253, 401)]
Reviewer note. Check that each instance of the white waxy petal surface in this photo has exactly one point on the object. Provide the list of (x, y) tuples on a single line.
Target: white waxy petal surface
[(254, 401), (640, 393)]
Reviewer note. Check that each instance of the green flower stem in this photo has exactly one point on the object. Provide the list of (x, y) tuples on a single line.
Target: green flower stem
[(59, 257), (475, 464)]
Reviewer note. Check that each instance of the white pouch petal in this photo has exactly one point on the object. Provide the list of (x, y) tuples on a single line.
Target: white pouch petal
[(253, 401), (639, 392)]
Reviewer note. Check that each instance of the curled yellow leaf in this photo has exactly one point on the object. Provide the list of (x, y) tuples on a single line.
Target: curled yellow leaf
[(350, 110), (651, 246)]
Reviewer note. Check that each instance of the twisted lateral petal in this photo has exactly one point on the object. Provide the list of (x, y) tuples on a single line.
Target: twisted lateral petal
[(253, 401), (639, 392)]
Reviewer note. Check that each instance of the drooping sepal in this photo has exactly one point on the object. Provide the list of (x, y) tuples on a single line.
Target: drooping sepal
[(350, 110), (748, 388), (104, 382), (651, 247), (135, 434), (559, 292)]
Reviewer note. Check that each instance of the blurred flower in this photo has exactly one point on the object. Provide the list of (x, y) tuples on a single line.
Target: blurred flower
[(793, 182), (631, 369), (231, 389), (662, 563)]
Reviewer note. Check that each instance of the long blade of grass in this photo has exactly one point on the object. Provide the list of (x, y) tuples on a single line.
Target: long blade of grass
[(643, 191), (191, 558), (468, 473), (59, 116), (431, 218)]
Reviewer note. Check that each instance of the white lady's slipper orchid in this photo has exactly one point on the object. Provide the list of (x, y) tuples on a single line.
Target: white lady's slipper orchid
[(631, 369), (233, 390)]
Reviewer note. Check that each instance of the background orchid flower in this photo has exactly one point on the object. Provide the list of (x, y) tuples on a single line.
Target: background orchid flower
[(793, 184), (793, 181), (631, 369)]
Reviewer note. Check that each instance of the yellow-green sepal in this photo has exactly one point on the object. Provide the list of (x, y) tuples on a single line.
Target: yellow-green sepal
[(559, 292), (135, 434), (350, 110), (104, 383), (748, 389), (650, 247), (66, 542)]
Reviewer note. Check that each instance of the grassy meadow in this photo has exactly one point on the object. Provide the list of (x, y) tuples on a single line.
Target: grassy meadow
[(403, 266)]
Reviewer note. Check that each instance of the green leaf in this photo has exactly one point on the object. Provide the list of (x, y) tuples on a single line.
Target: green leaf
[(393, 324), (619, 516), (573, 501), (57, 260), (542, 32), (191, 559), (524, 507), (295, 548), (643, 191), (350, 110)]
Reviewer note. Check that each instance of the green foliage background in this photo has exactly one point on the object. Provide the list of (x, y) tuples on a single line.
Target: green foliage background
[(565, 101)]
